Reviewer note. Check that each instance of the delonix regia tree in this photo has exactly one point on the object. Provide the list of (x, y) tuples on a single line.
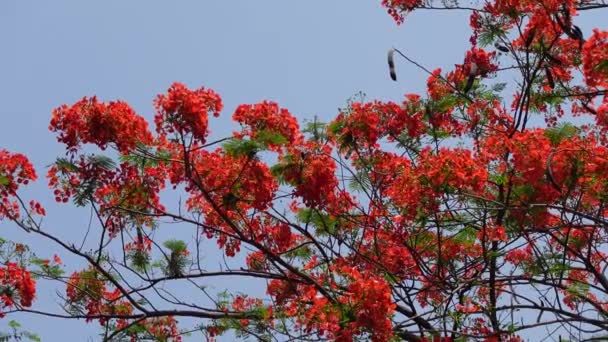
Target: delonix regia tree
[(476, 211)]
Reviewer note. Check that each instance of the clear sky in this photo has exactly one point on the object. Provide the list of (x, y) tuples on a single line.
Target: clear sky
[(309, 56)]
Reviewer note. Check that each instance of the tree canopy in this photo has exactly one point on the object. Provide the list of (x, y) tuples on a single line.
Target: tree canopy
[(473, 211)]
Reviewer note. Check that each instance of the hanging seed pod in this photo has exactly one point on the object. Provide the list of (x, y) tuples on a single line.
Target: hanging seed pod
[(550, 78), (578, 35), (391, 64), (553, 60), (471, 80), (469, 85), (501, 48), (530, 37)]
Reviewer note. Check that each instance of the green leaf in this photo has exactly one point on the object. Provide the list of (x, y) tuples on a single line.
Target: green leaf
[(499, 87), (102, 162), (4, 180), (466, 236), (526, 190), (323, 223), (361, 182), (602, 66), (500, 179), (32, 336), (564, 130), (578, 289), (176, 246), (14, 324), (241, 147), (316, 129), (447, 102), (154, 159), (301, 252), (139, 259), (491, 34), (277, 171), (64, 164), (267, 138)]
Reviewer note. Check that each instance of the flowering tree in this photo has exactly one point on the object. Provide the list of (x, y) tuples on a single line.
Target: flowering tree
[(452, 215)]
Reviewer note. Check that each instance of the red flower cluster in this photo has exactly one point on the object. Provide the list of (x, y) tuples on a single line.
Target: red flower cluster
[(371, 302), (161, 329), (399, 8), (90, 121), (15, 169), (87, 290), (313, 175), (267, 116), (595, 59), (478, 62), (183, 111), (17, 283), (363, 125), (449, 170)]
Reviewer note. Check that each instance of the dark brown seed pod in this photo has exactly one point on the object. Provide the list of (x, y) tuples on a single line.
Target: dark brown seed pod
[(469, 85), (550, 78), (391, 64), (530, 37), (553, 60), (576, 32), (566, 13), (501, 48)]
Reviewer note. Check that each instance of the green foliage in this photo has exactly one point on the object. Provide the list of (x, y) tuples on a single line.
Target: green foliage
[(360, 182), (278, 170), (446, 103), (490, 93), (86, 189), (176, 246), (602, 66), (139, 259), (492, 33), (524, 190), (316, 129), (102, 162), (65, 164), (262, 141), (267, 137), (564, 130), (17, 334), (578, 289), (47, 268), (146, 157), (323, 223), (302, 252), (176, 263), (466, 236), (240, 147)]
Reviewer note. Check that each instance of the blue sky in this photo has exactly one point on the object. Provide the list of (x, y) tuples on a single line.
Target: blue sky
[(309, 56)]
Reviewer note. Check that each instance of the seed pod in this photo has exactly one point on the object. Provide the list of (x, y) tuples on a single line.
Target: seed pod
[(552, 59), (229, 201), (530, 37), (550, 78), (173, 265), (391, 64), (576, 32), (469, 85), (566, 15), (501, 48)]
